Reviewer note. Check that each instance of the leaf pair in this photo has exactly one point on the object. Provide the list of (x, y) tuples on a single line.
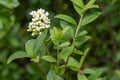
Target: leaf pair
[(32, 47), (81, 8), (86, 20)]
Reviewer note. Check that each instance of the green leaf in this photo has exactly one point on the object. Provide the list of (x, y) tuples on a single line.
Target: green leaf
[(66, 52), (36, 59), (64, 24), (39, 41), (29, 47), (63, 44), (52, 76), (62, 69), (52, 33), (88, 71), (92, 6), (66, 18), (81, 77), (56, 32), (73, 64), (82, 39), (9, 3), (78, 3), (90, 18), (65, 30), (54, 40), (82, 33), (78, 9), (70, 31), (117, 72), (99, 79), (88, 7), (83, 57), (96, 75), (54, 36), (16, 55), (58, 78), (43, 49), (91, 2), (49, 58), (77, 52)]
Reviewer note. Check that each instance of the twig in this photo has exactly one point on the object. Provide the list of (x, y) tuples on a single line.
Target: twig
[(77, 30)]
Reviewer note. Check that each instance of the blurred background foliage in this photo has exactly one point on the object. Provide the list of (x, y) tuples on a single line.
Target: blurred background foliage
[(105, 33)]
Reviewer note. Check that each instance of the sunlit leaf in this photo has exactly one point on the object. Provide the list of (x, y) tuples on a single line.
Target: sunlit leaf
[(70, 31), (49, 58), (63, 44), (16, 55), (66, 18), (88, 71), (96, 75), (83, 57), (29, 47), (88, 19), (66, 52), (39, 41), (78, 3), (73, 64), (81, 77)]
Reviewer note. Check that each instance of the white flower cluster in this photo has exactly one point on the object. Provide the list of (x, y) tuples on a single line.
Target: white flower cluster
[(40, 22)]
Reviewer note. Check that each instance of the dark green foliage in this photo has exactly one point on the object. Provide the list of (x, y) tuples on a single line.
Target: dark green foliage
[(104, 43)]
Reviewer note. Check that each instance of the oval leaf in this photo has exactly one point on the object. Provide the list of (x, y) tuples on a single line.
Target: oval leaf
[(29, 46), (88, 71), (52, 76), (77, 9), (78, 3), (90, 18), (96, 75), (81, 40), (66, 18), (16, 55), (73, 64), (49, 58), (66, 52), (91, 2), (63, 44), (81, 77), (64, 31), (84, 56), (39, 41), (77, 52), (82, 33), (70, 31)]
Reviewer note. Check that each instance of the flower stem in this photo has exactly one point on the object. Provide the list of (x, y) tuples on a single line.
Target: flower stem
[(77, 30), (79, 25)]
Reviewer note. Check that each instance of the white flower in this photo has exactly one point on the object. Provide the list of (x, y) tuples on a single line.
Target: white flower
[(40, 22)]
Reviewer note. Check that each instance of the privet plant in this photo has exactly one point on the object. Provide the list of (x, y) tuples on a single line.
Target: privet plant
[(59, 45)]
